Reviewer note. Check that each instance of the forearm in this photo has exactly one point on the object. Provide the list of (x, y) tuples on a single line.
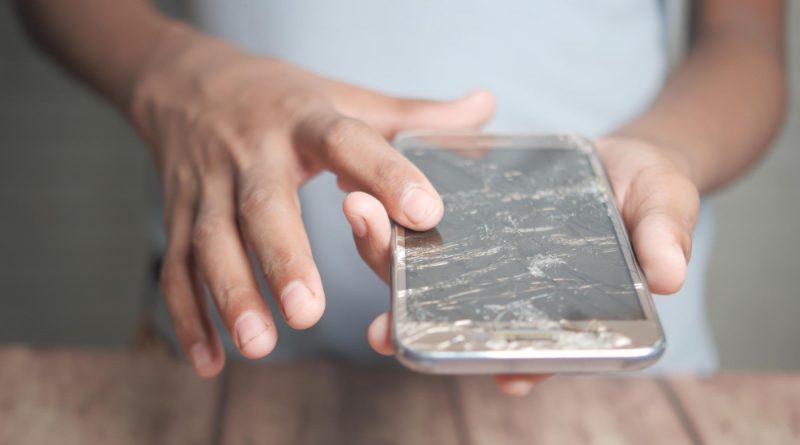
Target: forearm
[(104, 43), (721, 108)]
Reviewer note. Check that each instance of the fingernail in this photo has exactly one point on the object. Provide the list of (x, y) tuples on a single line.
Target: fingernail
[(294, 298), (249, 327), (359, 225), (518, 387), (418, 205), (200, 355)]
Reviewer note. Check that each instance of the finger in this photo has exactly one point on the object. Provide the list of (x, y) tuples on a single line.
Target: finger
[(269, 215), (185, 300), (345, 185), (371, 231), (365, 161), (223, 262), (518, 384), (379, 334), (660, 211), (389, 114), (471, 111)]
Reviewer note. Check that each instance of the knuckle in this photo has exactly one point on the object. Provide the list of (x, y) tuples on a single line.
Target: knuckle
[(338, 133), (664, 189), (206, 229), (232, 294), (179, 183), (208, 123), (254, 201), (183, 177), (204, 118), (213, 130), (297, 103), (185, 325), (389, 174), (279, 263)]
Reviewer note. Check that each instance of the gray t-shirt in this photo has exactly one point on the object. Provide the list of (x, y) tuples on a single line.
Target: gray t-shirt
[(569, 65)]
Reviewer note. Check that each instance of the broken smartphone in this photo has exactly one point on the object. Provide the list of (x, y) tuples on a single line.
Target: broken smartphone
[(530, 269)]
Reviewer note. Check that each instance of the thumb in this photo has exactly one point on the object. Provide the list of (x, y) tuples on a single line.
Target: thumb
[(470, 111)]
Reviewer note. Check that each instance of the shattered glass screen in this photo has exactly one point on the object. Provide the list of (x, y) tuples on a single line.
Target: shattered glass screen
[(525, 237)]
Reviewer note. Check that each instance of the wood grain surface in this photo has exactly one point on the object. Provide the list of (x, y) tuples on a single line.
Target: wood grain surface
[(85, 397), (567, 410), (323, 403), (71, 397), (745, 408)]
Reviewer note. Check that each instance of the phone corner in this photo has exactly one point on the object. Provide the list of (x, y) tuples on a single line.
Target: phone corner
[(412, 361), (647, 357)]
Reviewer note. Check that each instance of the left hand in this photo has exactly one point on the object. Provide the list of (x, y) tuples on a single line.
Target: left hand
[(659, 206)]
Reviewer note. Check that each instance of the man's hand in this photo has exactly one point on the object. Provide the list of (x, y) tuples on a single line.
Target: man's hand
[(659, 206), (234, 137)]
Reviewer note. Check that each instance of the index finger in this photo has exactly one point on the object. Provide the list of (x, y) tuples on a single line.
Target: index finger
[(362, 158)]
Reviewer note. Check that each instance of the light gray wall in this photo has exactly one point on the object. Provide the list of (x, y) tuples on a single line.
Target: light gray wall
[(73, 247), (754, 280)]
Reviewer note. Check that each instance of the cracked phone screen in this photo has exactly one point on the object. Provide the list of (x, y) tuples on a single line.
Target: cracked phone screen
[(526, 237)]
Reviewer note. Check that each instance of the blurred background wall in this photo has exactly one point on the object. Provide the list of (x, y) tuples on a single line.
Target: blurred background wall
[(73, 205)]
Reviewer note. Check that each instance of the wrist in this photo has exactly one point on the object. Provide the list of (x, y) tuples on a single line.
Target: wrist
[(171, 38), (126, 55), (174, 73)]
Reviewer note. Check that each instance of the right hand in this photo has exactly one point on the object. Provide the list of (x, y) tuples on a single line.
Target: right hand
[(234, 136)]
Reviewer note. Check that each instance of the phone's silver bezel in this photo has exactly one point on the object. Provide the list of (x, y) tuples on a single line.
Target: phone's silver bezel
[(647, 338)]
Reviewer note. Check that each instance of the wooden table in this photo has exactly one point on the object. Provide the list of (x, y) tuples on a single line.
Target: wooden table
[(82, 397)]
